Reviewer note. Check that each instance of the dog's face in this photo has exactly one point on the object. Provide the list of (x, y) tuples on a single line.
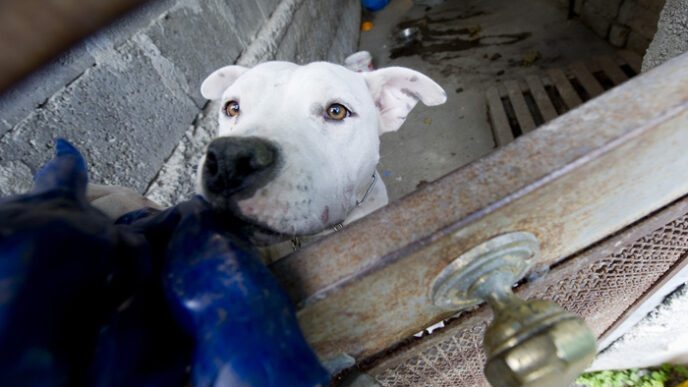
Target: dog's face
[(298, 144)]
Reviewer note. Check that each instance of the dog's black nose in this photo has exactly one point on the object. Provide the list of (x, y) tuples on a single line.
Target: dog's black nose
[(234, 164)]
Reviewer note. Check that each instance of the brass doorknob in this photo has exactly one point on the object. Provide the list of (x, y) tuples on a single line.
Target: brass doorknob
[(528, 343)]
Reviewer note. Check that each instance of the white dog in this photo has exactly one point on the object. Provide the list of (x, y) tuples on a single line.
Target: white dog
[(297, 146)]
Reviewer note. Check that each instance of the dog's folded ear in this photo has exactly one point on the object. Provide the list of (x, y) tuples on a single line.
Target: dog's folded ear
[(396, 90), (217, 82)]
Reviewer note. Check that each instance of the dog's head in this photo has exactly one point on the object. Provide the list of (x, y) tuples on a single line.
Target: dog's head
[(298, 144)]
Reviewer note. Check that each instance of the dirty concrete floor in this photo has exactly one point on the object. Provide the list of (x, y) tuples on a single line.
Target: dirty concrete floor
[(467, 46)]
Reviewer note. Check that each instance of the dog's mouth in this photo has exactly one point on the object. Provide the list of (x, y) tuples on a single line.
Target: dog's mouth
[(250, 180), (261, 233), (265, 237)]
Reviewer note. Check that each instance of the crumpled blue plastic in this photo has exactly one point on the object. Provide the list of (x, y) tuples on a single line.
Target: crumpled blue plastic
[(157, 299)]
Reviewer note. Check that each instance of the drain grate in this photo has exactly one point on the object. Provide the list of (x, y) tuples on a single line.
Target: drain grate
[(519, 106)]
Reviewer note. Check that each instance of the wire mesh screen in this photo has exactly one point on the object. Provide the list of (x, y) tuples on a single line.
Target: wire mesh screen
[(598, 287), (455, 361)]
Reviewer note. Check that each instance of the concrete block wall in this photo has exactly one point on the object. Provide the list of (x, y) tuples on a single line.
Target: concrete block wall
[(624, 23), (129, 95)]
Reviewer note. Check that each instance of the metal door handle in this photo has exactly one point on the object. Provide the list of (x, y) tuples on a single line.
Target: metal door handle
[(529, 343)]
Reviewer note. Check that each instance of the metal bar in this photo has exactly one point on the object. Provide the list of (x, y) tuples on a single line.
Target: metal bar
[(590, 84), (567, 92), (462, 339), (500, 123), (525, 121), (541, 98), (35, 31), (612, 70), (571, 183), (652, 297), (585, 280)]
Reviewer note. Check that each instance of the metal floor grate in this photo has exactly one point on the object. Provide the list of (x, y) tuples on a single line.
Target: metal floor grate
[(519, 106)]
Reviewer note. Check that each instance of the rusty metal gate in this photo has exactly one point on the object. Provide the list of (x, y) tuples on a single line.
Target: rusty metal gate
[(599, 284), (601, 188)]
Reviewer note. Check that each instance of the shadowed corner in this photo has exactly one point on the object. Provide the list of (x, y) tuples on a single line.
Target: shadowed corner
[(66, 170)]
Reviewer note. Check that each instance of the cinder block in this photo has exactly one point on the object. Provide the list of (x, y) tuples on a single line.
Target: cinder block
[(286, 50), (20, 100), (195, 40), (323, 24), (123, 115), (640, 19), (15, 178), (316, 29), (562, 3), (350, 28), (245, 17), (605, 8), (637, 43), (332, 11), (296, 40), (122, 29), (577, 6), (598, 24), (334, 54), (126, 96), (346, 36), (267, 6), (651, 5), (618, 35)]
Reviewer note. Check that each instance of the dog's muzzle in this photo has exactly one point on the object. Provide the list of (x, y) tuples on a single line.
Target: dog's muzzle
[(235, 167)]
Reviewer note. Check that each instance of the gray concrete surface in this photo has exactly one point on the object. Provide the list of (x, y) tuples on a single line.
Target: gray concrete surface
[(471, 46), (671, 38), (127, 95)]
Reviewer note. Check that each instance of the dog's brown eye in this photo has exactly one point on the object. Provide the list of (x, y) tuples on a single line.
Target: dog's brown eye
[(231, 109), (337, 111)]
